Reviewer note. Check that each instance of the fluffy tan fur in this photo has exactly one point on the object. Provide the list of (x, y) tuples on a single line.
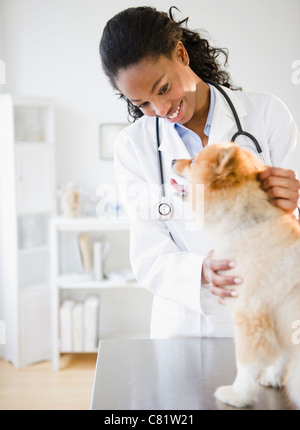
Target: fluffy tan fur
[(264, 241)]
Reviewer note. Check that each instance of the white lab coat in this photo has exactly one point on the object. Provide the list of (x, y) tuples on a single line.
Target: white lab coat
[(167, 256)]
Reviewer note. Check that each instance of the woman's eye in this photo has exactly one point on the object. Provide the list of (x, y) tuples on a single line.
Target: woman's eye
[(163, 89), (142, 106)]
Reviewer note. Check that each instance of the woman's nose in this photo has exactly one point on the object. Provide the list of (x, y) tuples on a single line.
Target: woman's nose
[(162, 108)]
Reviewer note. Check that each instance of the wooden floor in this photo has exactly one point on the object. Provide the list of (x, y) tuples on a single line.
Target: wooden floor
[(38, 387)]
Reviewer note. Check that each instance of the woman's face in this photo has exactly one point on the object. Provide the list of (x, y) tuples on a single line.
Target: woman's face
[(162, 87)]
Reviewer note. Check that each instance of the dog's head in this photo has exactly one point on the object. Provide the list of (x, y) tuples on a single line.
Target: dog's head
[(220, 166), (222, 169)]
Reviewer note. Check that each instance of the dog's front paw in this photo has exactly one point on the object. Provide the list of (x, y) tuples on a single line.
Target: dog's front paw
[(271, 380), (274, 375), (228, 395)]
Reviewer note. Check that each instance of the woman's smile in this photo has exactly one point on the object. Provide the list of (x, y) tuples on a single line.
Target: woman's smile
[(177, 114)]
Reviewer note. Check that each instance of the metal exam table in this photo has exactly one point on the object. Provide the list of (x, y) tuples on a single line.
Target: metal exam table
[(169, 374)]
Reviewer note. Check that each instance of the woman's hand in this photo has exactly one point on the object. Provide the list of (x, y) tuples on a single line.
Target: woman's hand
[(210, 275), (281, 186)]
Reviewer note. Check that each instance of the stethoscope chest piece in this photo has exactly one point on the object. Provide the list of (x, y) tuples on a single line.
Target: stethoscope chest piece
[(163, 210)]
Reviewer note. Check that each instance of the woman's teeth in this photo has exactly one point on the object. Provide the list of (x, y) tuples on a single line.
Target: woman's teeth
[(176, 112)]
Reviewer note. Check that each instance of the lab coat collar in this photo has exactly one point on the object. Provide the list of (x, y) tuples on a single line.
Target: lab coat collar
[(223, 123)]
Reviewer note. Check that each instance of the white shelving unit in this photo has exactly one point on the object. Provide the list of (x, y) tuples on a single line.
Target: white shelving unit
[(124, 306), (27, 199)]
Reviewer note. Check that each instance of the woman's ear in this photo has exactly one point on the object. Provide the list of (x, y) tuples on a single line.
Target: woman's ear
[(182, 54)]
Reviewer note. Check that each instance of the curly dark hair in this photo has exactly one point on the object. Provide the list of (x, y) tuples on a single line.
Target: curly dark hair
[(143, 32)]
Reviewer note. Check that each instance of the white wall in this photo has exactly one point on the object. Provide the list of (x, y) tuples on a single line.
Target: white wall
[(51, 48)]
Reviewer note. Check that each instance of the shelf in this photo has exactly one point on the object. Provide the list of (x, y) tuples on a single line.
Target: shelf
[(38, 249), (32, 101), (90, 224), (124, 306), (28, 201), (78, 281), (35, 287), (83, 351), (33, 142)]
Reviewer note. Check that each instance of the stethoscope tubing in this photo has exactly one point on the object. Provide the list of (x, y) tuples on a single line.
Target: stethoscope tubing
[(240, 131), (162, 183)]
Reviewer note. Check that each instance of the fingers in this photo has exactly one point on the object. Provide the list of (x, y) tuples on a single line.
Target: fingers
[(281, 186), (280, 178), (218, 289), (275, 171), (218, 281)]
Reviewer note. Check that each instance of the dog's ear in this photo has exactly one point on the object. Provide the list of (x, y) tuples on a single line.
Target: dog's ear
[(182, 167), (226, 159), (226, 167)]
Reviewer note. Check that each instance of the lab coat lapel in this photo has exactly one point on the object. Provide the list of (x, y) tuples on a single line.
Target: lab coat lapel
[(223, 123), (171, 143), (181, 226), (172, 148)]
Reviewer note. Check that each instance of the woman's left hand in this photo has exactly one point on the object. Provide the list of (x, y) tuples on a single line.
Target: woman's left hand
[(281, 186)]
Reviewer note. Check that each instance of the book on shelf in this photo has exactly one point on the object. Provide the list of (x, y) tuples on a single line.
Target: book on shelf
[(66, 336), (91, 318), (79, 325), (85, 247)]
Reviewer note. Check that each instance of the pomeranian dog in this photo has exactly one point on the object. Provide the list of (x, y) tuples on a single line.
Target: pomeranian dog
[(264, 241)]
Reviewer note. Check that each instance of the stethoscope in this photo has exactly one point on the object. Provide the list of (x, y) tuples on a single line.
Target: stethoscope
[(163, 210)]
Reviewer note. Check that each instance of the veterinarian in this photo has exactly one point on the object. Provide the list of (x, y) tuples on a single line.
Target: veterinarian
[(159, 67)]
